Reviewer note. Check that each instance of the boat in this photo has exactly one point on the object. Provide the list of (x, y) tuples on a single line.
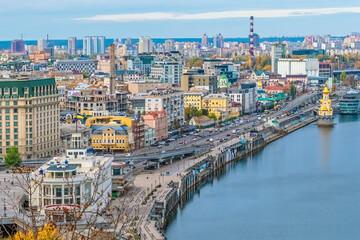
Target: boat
[(349, 103), (325, 112)]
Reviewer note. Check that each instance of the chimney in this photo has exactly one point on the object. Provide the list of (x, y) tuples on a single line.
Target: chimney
[(251, 50)]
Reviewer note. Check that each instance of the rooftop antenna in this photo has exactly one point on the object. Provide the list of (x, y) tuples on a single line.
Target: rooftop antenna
[(21, 36)]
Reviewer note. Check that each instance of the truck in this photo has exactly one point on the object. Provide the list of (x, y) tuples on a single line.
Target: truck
[(234, 131)]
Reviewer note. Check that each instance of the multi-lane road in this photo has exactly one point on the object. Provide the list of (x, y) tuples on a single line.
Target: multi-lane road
[(212, 136)]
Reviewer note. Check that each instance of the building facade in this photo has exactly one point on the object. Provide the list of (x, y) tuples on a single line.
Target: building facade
[(73, 181), (158, 121), (289, 66), (202, 82), (29, 117), (146, 45), (170, 100), (246, 95), (93, 45), (71, 45), (193, 99), (166, 71), (81, 66)]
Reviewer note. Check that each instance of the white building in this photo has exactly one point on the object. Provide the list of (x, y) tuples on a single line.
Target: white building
[(169, 99), (87, 66), (93, 45), (72, 181), (288, 66), (146, 45), (41, 44), (246, 95), (278, 50), (167, 71), (169, 45), (72, 45)]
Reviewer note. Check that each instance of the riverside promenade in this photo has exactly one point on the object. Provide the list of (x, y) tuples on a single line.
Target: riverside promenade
[(143, 199)]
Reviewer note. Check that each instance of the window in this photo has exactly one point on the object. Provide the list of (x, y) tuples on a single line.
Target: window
[(15, 117), (15, 130), (7, 117), (77, 190), (7, 130), (15, 103), (15, 124), (7, 103), (16, 142), (7, 110), (7, 137), (15, 136)]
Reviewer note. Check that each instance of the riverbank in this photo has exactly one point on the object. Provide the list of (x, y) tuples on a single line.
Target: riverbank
[(159, 193)]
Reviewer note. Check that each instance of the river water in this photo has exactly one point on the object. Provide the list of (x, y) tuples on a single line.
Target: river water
[(303, 186)]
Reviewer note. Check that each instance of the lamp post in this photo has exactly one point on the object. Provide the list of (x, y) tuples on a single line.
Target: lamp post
[(4, 207)]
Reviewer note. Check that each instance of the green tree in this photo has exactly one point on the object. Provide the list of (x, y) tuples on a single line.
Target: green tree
[(12, 157), (213, 116), (194, 62), (292, 90), (343, 77), (85, 75)]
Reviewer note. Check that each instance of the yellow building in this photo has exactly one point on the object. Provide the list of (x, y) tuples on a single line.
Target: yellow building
[(111, 133), (193, 98), (325, 105), (220, 104)]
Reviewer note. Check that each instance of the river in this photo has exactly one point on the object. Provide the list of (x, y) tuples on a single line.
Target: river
[(302, 186)]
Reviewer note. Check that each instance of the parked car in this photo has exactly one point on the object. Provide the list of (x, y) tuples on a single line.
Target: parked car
[(228, 135), (163, 151), (160, 146)]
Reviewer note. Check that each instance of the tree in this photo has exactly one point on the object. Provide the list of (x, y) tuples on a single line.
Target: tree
[(343, 77), (48, 232), (292, 90), (358, 64), (194, 62), (267, 68), (85, 75), (213, 116), (13, 158)]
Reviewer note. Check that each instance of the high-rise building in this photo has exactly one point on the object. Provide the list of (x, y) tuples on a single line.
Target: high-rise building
[(145, 45), (72, 45), (205, 40), (278, 50), (169, 45), (79, 65), (128, 43), (93, 45), (29, 117), (41, 44), (17, 46), (166, 71), (256, 40), (218, 41)]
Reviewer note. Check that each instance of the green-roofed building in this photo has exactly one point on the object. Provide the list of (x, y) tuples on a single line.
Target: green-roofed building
[(29, 117)]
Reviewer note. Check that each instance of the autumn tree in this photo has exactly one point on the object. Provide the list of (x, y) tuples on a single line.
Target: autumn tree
[(194, 62)]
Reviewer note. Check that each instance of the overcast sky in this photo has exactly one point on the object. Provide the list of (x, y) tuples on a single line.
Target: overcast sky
[(176, 18)]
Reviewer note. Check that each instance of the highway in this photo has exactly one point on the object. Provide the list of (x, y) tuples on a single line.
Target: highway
[(217, 134)]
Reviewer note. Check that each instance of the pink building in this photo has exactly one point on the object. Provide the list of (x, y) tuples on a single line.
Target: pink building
[(158, 121)]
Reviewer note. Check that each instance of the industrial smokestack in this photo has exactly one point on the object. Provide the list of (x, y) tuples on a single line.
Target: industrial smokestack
[(251, 50), (112, 69)]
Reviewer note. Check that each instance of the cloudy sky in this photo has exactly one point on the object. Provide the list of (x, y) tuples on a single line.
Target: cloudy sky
[(176, 18)]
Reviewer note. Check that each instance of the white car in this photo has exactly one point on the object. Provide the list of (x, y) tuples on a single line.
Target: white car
[(128, 155), (163, 151)]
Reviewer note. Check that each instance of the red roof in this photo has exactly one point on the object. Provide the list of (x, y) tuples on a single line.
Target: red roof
[(277, 88)]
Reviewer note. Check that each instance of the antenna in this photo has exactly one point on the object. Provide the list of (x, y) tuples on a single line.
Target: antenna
[(21, 36)]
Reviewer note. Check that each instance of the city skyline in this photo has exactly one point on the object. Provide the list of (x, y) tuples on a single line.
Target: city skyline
[(172, 20)]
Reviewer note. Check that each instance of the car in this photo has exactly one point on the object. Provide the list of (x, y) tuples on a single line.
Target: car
[(160, 146), (184, 135), (172, 139), (128, 155), (225, 139), (221, 140), (181, 142), (166, 144), (211, 140), (194, 139), (163, 151), (162, 143), (228, 135), (145, 163)]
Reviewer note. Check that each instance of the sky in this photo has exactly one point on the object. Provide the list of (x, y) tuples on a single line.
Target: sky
[(176, 18)]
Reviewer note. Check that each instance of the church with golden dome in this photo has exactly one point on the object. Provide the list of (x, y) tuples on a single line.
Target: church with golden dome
[(325, 112)]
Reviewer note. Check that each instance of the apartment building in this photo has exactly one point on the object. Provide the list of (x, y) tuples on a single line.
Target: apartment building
[(202, 82), (170, 100)]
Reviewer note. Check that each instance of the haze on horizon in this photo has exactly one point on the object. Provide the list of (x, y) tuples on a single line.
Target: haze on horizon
[(176, 19)]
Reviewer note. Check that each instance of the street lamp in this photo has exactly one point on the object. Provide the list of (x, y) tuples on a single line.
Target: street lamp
[(4, 207)]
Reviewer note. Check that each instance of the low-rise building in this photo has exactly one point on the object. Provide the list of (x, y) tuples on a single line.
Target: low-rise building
[(158, 121), (270, 90), (144, 87), (71, 182), (325, 69), (149, 137), (220, 104), (87, 66), (297, 79), (193, 98), (261, 75)]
